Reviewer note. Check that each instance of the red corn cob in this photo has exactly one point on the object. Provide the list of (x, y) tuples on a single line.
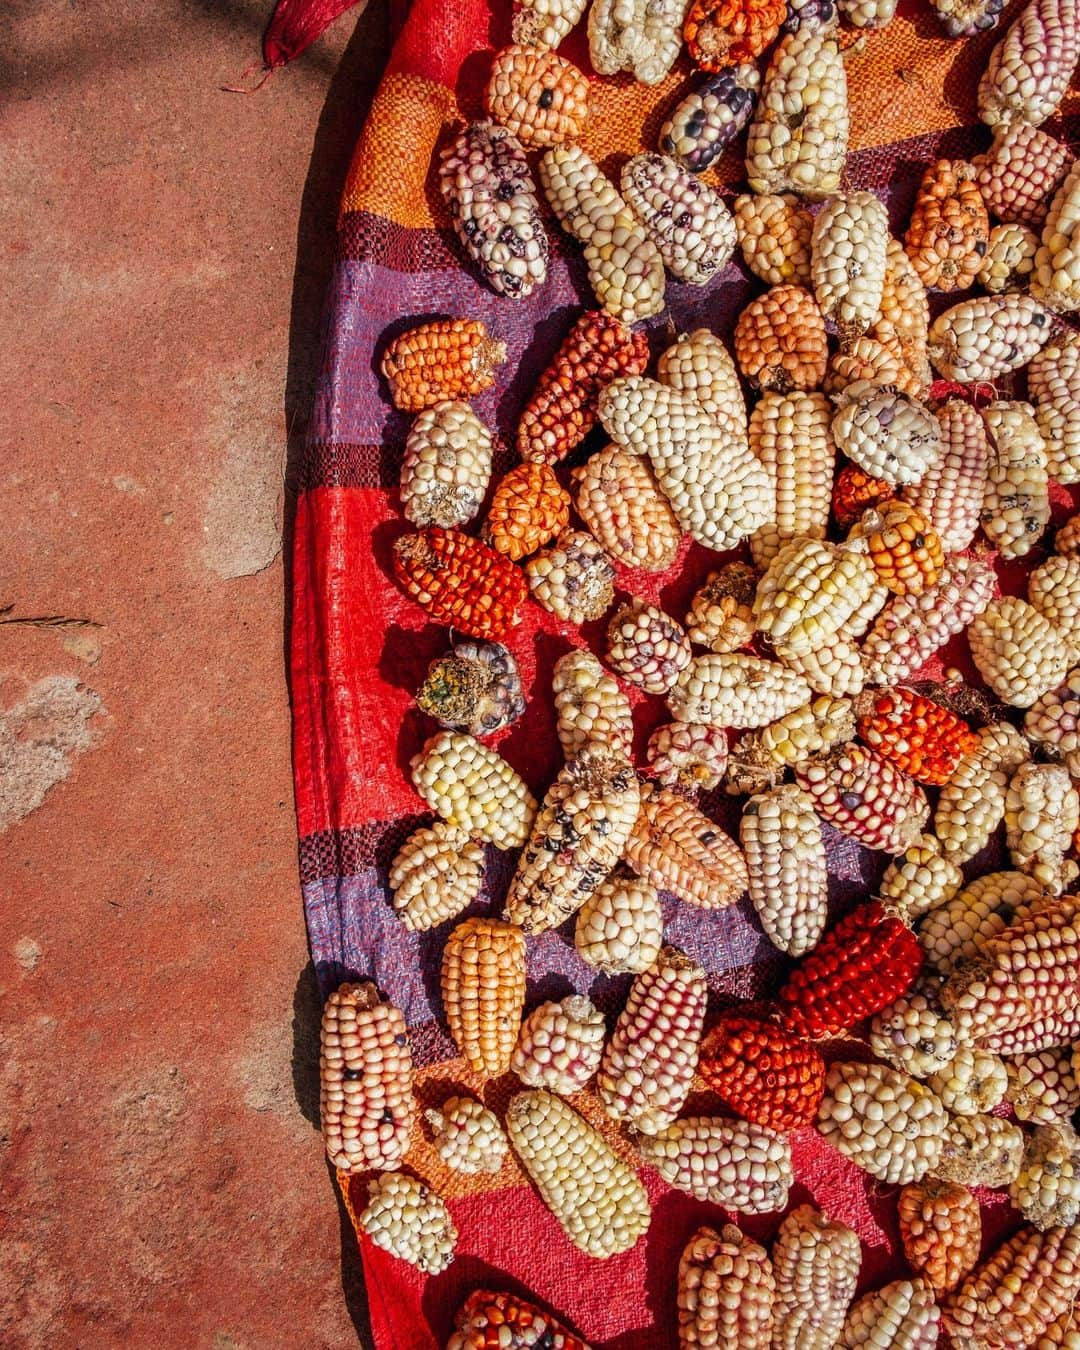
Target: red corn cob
[(762, 1072), (495, 1321), (461, 582), (562, 410), (860, 966), (864, 796), (854, 491), (919, 736)]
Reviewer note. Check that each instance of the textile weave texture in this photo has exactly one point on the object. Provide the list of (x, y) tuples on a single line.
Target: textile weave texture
[(360, 649)]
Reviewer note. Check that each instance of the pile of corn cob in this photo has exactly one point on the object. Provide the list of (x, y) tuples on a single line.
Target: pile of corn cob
[(855, 488)]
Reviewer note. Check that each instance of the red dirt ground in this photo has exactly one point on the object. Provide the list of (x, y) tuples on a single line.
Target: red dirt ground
[(166, 250)]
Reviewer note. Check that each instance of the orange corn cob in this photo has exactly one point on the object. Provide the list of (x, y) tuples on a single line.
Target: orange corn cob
[(725, 1292), (853, 491), (880, 360), (447, 358), (483, 991), (780, 340), (905, 311), (460, 581), (949, 228), (529, 508), (496, 1321), (620, 501), (762, 1072), (679, 850), (722, 33), (918, 735), (940, 1227), (906, 553), (538, 96)]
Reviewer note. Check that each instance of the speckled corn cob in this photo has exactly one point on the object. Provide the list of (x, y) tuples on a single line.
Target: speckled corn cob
[(798, 138), (572, 579), (985, 338), (850, 238), (864, 796), (443, 359), (435, 875), (867, 358), (735, 690), (950, 494), (947, 237), (1021, 172), (790, 435), (626, 271), (940, 1228), (446, 467), (901, 1315), (973, 1082), (883, 1120), (529, 508), (905, 310), (912, 1033), (959, 930), (562, 409), (620, 927), (483, 991), (922, 738), (785, 858), (1042, 813), (732, 1163), (641, 36), (678, 849), (809, 590), (699, 364), (834, 669), (460, 582), (476, 688), (911, 628), (972, 803), (1056, 280), (485, 180), (1018, 653), (903, 548), (1054, 386), (473, 787), (1031, 67), (620, 501), (498, 1321), (1042, 1087), (1019, 1291), (559, 1045), (544, 23), (854, 490), (886, 433), (684, 217), (577, 838), (980, 1150), (647, 647), (718, 490), (1047, 1189), (775, 237), (1009, 260), (762, 1072), (538, 96), (815, 1267), (721, 615), (780, 340), (725, 1292), (407, 1219), (920, 879), (687, 756), (590, 708), (1053, 722), (648, 1065), (816, 15), (965, 18), (710, 117), (467, 1136), (719, 33), (1016, 498), (597, 1199)]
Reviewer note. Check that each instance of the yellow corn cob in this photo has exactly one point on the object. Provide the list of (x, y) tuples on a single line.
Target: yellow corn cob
[(972, 804), (735, 690), (809, 590), (902, 1314), (471, 786), (621, 925), (790, 435), (407, 1219), (1042, 814), (700, 365), (1009, 260), (483, 991), (733, 1163), (774, 235), (1054, 590), (920, 879), (958, 930), (1016, 499), (1047, 1189), (1019, 654), (850, 241), (590, 707), (816, 1266), (680, 850), (785, 858), (725, 1292), (467, 1136), (807, 731), (435, 875)]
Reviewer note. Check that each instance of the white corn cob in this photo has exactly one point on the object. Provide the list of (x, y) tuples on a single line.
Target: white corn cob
[(785, 858), (972, 804), (950, 495), (816, 1267), (736, 690), (1042, 814), (868, 14), (686, 220), (1016, 500), (1018, 653), (407, 1219), (641, 36), (1009, 260), (1054, 590), (920, 879), (1059, 426), (590, 706), (790, 434), (647, 647), (959, 930), (559, 1045), (1053, 721), (468, 1136), (888, 434), (980, 1150), (471, 786), (733, 1163), (1042, 1087), (1054, 387), (835, 669), (973, 1082), (544, 23), (983, 338), (699, 364), (913, 1034), (851, 235), (447, 464), (810, 590), (1031, 66), (435, 874), (1047, 1189), (884, 1121), (725, 1298), (620, 927), (901, 1316)]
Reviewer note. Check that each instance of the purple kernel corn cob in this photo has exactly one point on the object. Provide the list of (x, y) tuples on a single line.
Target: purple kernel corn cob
[(710, 117)]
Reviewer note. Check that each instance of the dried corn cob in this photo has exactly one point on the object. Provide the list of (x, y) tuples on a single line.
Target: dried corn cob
[(468, 1136), (529, 508), (699, 364), (922, 738), (620, 501), (485, 180), (435, 875), (904, 549), (780, 340), (884, 1121), (864, 796), (725, 1292), (855, 490), (980, 1151), (483, 991), (590, 706), (912, 1033), (785, 858), (912, 628), (1010, 259), (497, 1321), (973, 1082), (642, 36), (950, 495), (407, 1219), (538, 96), (710, 117), (620, 927), (809, 591), (789, 433), (941, 1228), (473, 787), (647, 647), (878, 360), (1059, 426), (867, 13), (1067, 539), (443, 359), (862, 964), (1053, 722), (815, 15), (984, 338), (851, 234), (835, 669), (721, 33), (572, 579), (1042, 1087), (683, 216), (1056, 281), (732, 1163), (762, 1072), (959, 930), (447, 463), (1054, 373), (1047, 1189), (679, 850), (559, 1045), (597, 1199), (905, 310), (972, 803), (813, 729), (1018, 653), (721, 613), (1016, 499), (947, 237), (460, 582), (578, 836), (1042, 813), (965, 18), (735, 690), (562, 409), (920, 879), (775, 237), (1021, 172), (477, 688), (886, 433), (544, 23), (687, 756), (902, 1316), (798, 138), (815, 1266), (1030, 68)]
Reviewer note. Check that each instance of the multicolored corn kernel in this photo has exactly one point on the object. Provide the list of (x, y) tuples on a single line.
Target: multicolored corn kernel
[(958, 931), (1046, 1190), (985, 338), (1021, 172), (1031, 67), (762, 1072), (471, 786), (849, 243), (973, 1082), (684, 217), (590, 708), (573, 578), (725, 1292), (861, 965), (577, 838), (834, 669), (620, 501), (1009, 260), (785, 858), (886, 433), (721, 615), (798, 138), (483, 991), (678, 849), (1042, 814), (913, 1034), (867, 358), (947, 237), (904, 549), (854, 490), (1016, 498), (559, 1045), (950, 494), (815, 15), (885, 1121), (446, 467), (597, 1199), (460, 582), (538, 96), (498, 1321), (1053, 722), (1017, 651), (780, 340), (435, 874), (641, 36), (790, 435), (620, 928), (815, 1268), (476, 688), (440, 360), (699, 364), (544, 23), (1042, 1087), (1067, 539), (687, 756), (922, 738), (744, 1167), (864, 796), (529, 508), (407, 1219), (911, 628), (562, 409), (972, 804), (647, 647), (905, 311), (965, 18), (902, 1314), (365, 1080), (485, 181), (710, 117), (920, 879), (941, 1230), (809, 590), (980, 1150), (467, 1136), (775, 237), (721, 33), (735, 690), (1056, 280)]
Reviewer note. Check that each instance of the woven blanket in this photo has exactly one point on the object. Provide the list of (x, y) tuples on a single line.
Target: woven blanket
[(360, 649)]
